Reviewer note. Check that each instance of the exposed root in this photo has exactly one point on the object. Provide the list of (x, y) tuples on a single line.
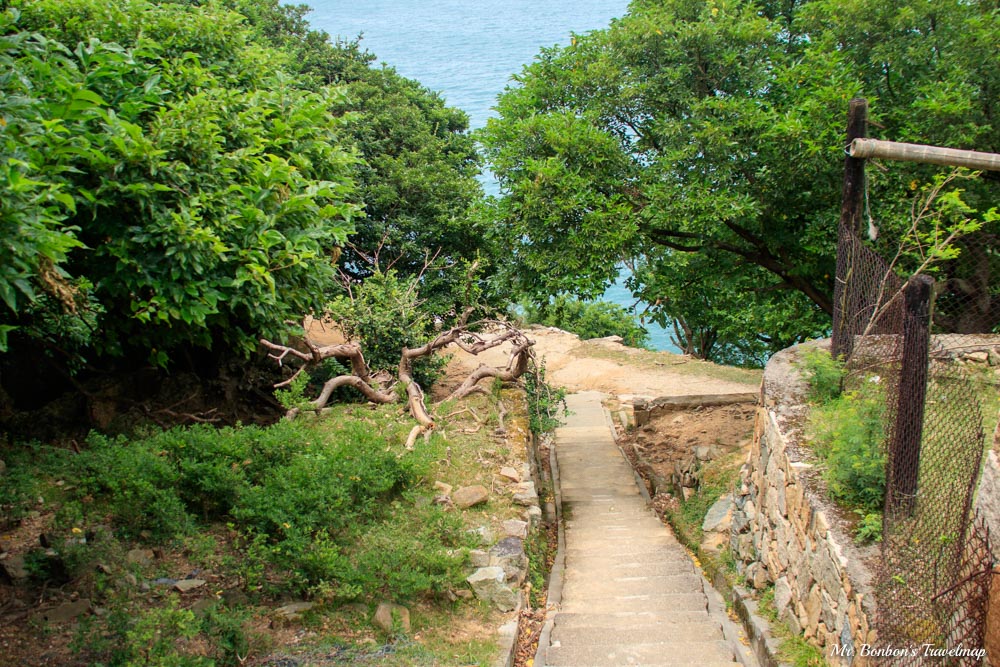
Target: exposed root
[(461, 335)]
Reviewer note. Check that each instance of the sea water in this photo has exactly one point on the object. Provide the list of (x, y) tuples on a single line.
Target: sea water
[(467, 51)]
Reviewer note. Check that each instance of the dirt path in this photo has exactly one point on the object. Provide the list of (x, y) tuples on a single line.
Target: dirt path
[(607, 366)]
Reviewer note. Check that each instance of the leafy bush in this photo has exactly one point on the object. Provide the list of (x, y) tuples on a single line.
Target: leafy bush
[(848, 433), (414, 551), (140, 146), (384, 314), (587, 319), (824, 374), (544, 401)]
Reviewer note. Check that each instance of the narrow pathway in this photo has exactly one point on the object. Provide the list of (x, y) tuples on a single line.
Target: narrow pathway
[(631, 595)]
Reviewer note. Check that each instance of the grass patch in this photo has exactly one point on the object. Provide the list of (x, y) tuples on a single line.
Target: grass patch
[(715, 479), (332, 510), (795, 650)]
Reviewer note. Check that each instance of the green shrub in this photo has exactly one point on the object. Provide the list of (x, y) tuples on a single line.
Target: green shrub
[(544, 401), (848, 433), (415, 551), (823, 372), (587, 319), (384, 315), (128, 637)]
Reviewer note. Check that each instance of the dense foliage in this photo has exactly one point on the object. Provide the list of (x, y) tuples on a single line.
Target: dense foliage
[(187, 193), (703, 140), (181, 174), (310, 509), (418, 179)]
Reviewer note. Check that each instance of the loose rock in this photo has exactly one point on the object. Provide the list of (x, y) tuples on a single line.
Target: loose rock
[(14, 569), (185, 585), (66, 611), (469, 496), (719, 517), (390, 616), (515, 528), (139, 556), (510, 473), (488, 585), (293, 611)]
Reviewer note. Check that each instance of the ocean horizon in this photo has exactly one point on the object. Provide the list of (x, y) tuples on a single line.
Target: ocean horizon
[(467, 52)]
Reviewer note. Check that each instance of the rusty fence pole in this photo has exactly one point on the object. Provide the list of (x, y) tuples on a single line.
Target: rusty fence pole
[(909, 427)]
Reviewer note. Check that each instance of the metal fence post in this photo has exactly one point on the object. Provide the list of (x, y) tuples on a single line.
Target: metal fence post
[(909, 426)]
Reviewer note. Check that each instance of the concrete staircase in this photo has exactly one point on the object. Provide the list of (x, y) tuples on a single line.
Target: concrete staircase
[(631, 595)]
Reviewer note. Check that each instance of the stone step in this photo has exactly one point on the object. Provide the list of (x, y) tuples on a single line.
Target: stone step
[(615, 620), (660, 602), (583, 586), (611, 550), (653, 653), (656, 565), (585, 635)]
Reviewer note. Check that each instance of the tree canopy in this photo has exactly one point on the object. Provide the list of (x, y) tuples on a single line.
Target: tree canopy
[(182, 174), (701, 141)]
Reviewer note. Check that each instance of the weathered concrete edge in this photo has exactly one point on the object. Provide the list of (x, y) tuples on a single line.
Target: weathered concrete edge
[(644, 409), (758, 631), (554, 596), (508, 633)]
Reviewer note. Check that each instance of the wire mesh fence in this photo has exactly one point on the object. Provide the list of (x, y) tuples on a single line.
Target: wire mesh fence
[(915, 339)]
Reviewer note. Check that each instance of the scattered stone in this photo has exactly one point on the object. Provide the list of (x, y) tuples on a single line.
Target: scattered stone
[(163, 581), (479, 558), (14, 569), (391, 617), (782, 594), (525, 494), (509, 554), (469, 496), (66, 611), (534, 516), (484, 533), (465, 594), (994, 356), (714, 542), (488, 585), (510, 473), (292, 612), (445, 489), (139, 557), (515, 528), (234, 597), (719, 516), (978, 357), (129, 579), (185, 585)]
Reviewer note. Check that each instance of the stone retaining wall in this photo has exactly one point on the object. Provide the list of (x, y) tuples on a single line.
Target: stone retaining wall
[(782, 533)]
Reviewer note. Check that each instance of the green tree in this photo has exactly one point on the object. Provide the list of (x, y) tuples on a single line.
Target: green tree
[(418, 175), (183, 193), (714, 129)]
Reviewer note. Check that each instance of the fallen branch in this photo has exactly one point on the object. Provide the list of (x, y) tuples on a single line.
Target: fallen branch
[(382, 389)]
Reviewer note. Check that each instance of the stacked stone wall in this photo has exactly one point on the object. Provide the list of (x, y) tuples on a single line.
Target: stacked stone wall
[(782, 534)]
